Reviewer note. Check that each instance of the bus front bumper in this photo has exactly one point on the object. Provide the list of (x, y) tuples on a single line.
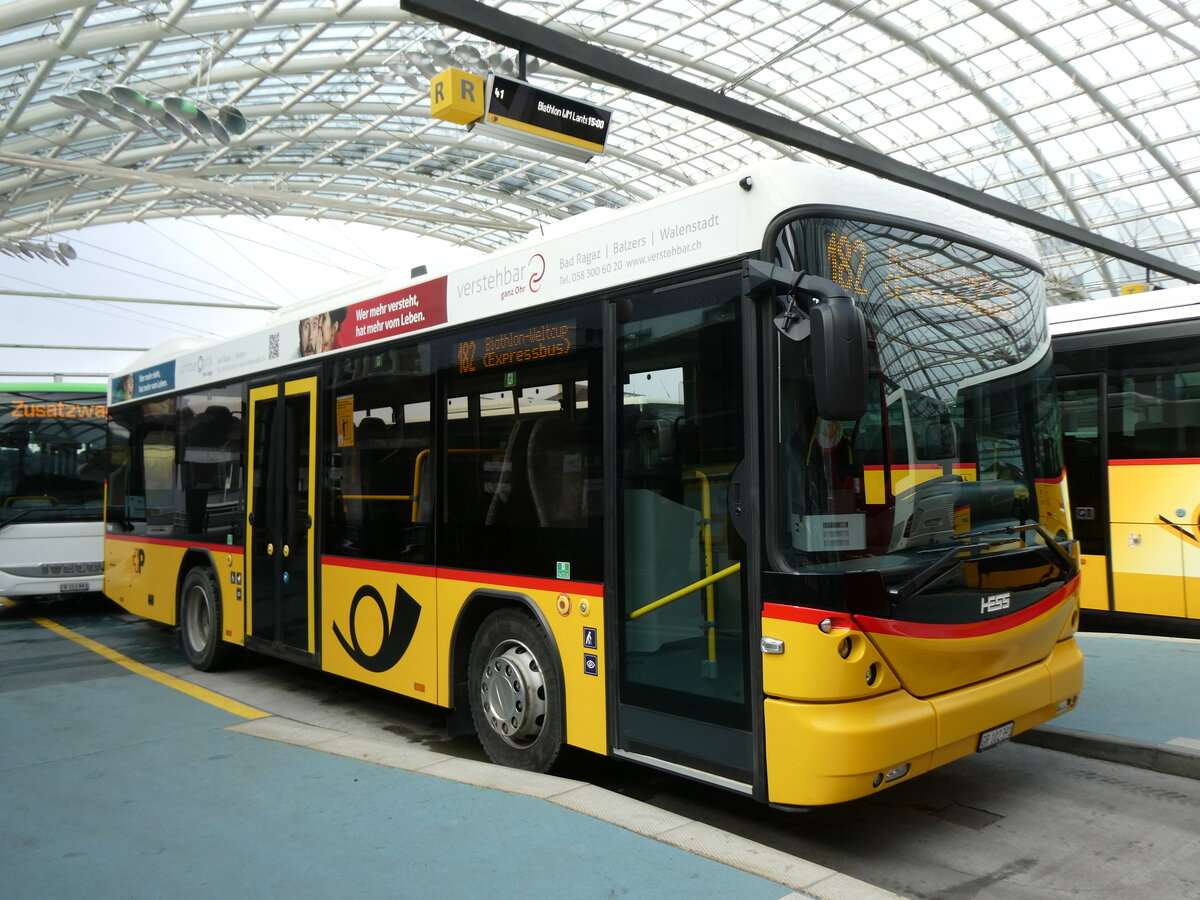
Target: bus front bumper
[(820, 753)]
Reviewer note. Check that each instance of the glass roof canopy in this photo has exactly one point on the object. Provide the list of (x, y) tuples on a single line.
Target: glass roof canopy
[(1082, 110)]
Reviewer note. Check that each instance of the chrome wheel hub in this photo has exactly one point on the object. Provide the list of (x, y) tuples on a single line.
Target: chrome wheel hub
[(195, 609), (514, 694)]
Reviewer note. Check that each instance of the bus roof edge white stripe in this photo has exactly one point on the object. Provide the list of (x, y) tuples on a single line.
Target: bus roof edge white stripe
[(1125, 311)]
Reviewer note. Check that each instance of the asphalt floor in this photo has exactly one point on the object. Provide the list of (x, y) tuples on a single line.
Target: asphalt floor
[(118, 782)]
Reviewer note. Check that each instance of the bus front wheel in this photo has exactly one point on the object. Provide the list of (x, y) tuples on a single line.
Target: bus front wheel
[(516, 693), (200, 621)]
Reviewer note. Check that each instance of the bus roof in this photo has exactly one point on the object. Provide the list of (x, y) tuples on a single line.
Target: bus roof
[(1125, 311), (590, 252)]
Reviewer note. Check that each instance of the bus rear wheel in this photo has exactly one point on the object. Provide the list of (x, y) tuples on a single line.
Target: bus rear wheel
[(200, 621), (516, 692)]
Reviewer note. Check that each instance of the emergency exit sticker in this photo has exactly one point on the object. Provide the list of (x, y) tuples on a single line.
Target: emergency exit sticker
[(563, 570), (345, 421)]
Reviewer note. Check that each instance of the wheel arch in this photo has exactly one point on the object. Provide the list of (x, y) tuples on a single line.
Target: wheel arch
[(195, 557), (480, 604)]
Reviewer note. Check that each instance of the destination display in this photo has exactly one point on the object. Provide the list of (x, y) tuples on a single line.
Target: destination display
[(508, 348), (518, 111), (23, 409)]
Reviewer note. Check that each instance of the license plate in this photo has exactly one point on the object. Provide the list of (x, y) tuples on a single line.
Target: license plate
[(994, 736), (72, 586)]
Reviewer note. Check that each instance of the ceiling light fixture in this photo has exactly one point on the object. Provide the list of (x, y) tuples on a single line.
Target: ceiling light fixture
[(61, 253), (434, 55), (174, 116)]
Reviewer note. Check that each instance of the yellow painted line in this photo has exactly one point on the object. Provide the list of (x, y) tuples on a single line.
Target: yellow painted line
[(186, 687)]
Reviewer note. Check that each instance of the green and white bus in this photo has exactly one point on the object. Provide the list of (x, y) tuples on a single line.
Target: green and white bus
[(52, 468)]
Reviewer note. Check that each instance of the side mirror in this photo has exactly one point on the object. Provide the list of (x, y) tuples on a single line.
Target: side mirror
[(839, 355), (835, 326)]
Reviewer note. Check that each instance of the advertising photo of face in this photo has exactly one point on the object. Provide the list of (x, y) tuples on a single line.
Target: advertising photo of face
[(319, 333)]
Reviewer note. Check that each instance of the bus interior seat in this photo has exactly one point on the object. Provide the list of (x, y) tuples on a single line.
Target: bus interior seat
[(509, 503), (211, 429), (556, 473), (370, 431)]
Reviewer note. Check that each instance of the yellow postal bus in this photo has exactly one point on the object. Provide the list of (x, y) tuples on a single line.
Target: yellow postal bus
[(1129, 384), (759, 483)]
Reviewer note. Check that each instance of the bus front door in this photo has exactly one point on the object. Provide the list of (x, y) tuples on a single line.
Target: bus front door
[(1085, 454), (279, 518), (685, 698)]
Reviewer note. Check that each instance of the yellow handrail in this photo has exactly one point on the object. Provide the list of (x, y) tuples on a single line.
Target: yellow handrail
[(419, 463), (710, 600), (416, 490), (690, 589)]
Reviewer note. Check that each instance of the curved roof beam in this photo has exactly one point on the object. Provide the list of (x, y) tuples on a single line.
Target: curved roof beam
[(1098, 97), (98, 38), (238, 190), (680, 61), (227, 164), (63, 43), (967, 84), (317, 197)]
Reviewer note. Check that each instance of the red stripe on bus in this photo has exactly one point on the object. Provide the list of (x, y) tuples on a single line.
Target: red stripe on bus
[(873, 625), (167, 542), (971, 629), (808, 615), (492, 579), (376, 565), (1177, 461)]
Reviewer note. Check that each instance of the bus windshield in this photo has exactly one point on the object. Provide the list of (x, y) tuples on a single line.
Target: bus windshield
[(52, 460), (961, 428)]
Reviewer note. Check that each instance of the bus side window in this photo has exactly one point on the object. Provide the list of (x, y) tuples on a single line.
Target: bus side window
[(521, 454), (378, 461), (557, 479)]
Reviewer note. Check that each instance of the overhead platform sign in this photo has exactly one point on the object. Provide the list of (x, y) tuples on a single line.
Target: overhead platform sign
[(517, 111), (456, 96)]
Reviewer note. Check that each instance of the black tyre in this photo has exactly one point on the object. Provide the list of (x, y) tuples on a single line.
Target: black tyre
[(516, 692), (200, 621)]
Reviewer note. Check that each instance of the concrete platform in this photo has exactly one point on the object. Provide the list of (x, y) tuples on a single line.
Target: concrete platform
[(118, 780)]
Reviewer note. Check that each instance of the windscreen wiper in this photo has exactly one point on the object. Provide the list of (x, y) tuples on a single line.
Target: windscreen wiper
[(949, 561), (1063, 560)]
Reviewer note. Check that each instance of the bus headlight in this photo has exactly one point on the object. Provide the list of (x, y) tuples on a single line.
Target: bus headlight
[(896, 772)]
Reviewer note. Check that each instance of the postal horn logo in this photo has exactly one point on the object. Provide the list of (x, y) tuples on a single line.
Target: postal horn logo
[(398, 630)]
